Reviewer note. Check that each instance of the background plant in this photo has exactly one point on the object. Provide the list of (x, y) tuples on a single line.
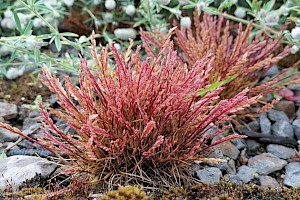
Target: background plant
[(248, 59)]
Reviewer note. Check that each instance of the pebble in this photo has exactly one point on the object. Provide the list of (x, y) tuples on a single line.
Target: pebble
[(244, 175), (288, 107), (228, 149), (266, 163), (253, 147), (218, 154), (265, 124), (240, 143), (209, 175), (294, 87), (283, 128), (281, 151), (272, 71), (292, 174), (268, 182), (8, 111), (254, 125), (17, 169), (7, 136), (296, 127), (276, 115)]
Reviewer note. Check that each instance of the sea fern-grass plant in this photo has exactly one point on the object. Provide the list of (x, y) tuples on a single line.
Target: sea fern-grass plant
[(144, 122), (235, 54)]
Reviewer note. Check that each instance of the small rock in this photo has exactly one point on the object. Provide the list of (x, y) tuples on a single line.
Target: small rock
[(266, 163), (8, 111), (30, 125), (7, 136), (283, 128), (227, 148), (245, 175), (268, 181), (254, 125), (296, 127), (240, 143), (281, 151), (276, 115), (294, 87), (209, 175), (218, 154), (272, 71), (253, 147), (17, 169), (292, 174), (231, 167), (265, 124), (288, 107)]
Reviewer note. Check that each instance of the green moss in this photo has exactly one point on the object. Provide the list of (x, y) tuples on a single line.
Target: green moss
[(126, 193)]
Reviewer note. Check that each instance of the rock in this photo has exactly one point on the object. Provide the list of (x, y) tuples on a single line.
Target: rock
[(266, 163), (218, 154), (276, 115), (272, 71), (294, 87), (209, 175), (268, 181), (292, 174), (265, 124), (296, 127), (281, 151), (254, 125), (288, 107), (283, 128), (8, 111), (227, 148), (240, 143), (245, 175), (7, 136), (253, 147), (30, 125), (231, 167), (17, 169), (298, 113)]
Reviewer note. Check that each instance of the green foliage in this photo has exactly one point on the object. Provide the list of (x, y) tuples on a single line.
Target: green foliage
[(125, 193)]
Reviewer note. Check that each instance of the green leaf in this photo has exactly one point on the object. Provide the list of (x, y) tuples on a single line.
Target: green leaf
[(17, 21), (216, 85), (37, 55), (2, 156), (69, 34), (57, 43), (268, 6), (189, 6), (225, 4), (28, 28)]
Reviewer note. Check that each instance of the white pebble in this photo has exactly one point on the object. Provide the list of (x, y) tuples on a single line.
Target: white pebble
[(110, 4), (125, 33), (240, 12), (129, 10), (185, 22), (68, 3), (295, 33)]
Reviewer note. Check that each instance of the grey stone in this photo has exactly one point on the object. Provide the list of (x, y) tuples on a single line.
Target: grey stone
[(17, 169), (272, 71), (294, 87), (231, 167), (253, 147), (276, 115), (218, 154), (283, 128), (296, 127), (7, 136), (288, 107), (245, 175), (268, 182), (292, 174), (281, 151), (266, 163), (227, 148), (209, 175), (254, 125), (30, 125), (240, 143), (8, 111), (265, 124)]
